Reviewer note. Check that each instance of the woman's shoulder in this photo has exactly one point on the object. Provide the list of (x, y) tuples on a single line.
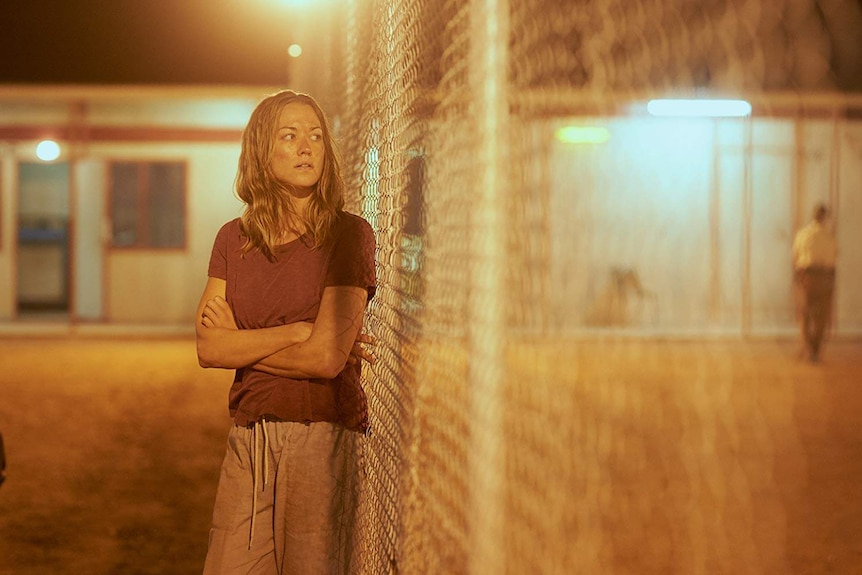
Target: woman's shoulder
[(232, 227), (351, 229), (229, 232), (352, 223)]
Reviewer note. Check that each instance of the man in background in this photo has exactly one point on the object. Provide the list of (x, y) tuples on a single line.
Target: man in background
[(814, 254)]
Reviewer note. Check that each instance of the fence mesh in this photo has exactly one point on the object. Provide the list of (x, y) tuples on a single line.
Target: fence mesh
[(513, 432)]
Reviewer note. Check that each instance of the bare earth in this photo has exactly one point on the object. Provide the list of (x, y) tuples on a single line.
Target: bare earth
[(113, 452), (114, 446)]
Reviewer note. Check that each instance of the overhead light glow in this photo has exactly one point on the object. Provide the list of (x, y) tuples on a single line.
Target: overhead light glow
[(582, 135), (294, 50), (700, 108), (48, 150)]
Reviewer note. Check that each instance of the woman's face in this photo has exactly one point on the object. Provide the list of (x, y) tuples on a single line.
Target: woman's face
[(299, 150)]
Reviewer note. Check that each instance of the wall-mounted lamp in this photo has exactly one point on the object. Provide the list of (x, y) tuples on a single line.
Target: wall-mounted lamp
[(47, 150), (700, 108)]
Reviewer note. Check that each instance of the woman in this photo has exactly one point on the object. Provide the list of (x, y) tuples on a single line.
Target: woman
[(283, 305)]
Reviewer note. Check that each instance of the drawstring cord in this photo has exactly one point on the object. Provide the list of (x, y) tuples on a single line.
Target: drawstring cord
[(254, 466)]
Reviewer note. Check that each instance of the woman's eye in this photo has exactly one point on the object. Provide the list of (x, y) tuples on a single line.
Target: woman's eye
[(316, 137)]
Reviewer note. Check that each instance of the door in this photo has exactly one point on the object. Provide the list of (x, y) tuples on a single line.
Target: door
[(43, 241)]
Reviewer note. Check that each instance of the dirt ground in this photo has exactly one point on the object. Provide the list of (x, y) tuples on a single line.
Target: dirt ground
[(113, 452), (114, 446)]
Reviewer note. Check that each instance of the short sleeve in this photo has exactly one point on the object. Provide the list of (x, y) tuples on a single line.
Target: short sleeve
[(218, 258), (352, 261)]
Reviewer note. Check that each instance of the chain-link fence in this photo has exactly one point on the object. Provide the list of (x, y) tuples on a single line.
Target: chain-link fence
[(529, 213)]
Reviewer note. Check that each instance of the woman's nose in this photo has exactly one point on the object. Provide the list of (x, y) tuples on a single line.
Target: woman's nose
[(304, 146)]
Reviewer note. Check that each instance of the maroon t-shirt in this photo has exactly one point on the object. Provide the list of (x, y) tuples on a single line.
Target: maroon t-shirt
[(265, 293)]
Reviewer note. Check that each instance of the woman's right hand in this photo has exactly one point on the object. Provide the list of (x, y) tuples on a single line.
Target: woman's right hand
[(217, 313)]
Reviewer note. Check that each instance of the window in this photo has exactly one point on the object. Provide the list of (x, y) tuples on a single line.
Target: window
[(148, 204)]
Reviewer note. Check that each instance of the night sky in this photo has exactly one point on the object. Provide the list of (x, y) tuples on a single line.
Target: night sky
[(233, 42), (229, 42)]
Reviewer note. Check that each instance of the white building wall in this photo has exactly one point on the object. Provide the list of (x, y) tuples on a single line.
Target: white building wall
[(848, 309), (8, 226), (89, 185), (703, 213)]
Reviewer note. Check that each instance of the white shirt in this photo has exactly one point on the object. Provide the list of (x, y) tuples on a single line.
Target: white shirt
[(814, 246)]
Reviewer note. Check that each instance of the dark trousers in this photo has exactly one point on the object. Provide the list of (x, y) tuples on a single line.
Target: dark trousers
[(814, 292)]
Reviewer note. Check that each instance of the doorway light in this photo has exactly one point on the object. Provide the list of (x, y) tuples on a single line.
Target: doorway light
[(294, 50), (699, 108), (47, 150)]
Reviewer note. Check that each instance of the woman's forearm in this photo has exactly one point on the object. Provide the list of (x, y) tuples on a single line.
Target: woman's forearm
[(327, 349), (298, 351), (234, 348), (303, 360)]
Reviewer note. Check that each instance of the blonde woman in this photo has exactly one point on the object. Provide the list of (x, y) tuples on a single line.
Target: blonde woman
[(288, 285)]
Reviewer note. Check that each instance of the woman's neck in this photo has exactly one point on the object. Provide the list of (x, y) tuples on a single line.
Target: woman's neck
[(297, 224)]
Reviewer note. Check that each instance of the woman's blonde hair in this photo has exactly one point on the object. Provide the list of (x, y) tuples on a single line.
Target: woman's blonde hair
[(269, 209)]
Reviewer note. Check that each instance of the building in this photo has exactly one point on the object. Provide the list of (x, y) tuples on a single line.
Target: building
[(118, 228)]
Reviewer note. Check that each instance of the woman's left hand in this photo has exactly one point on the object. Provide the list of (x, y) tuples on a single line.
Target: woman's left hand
[(359, 353)]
